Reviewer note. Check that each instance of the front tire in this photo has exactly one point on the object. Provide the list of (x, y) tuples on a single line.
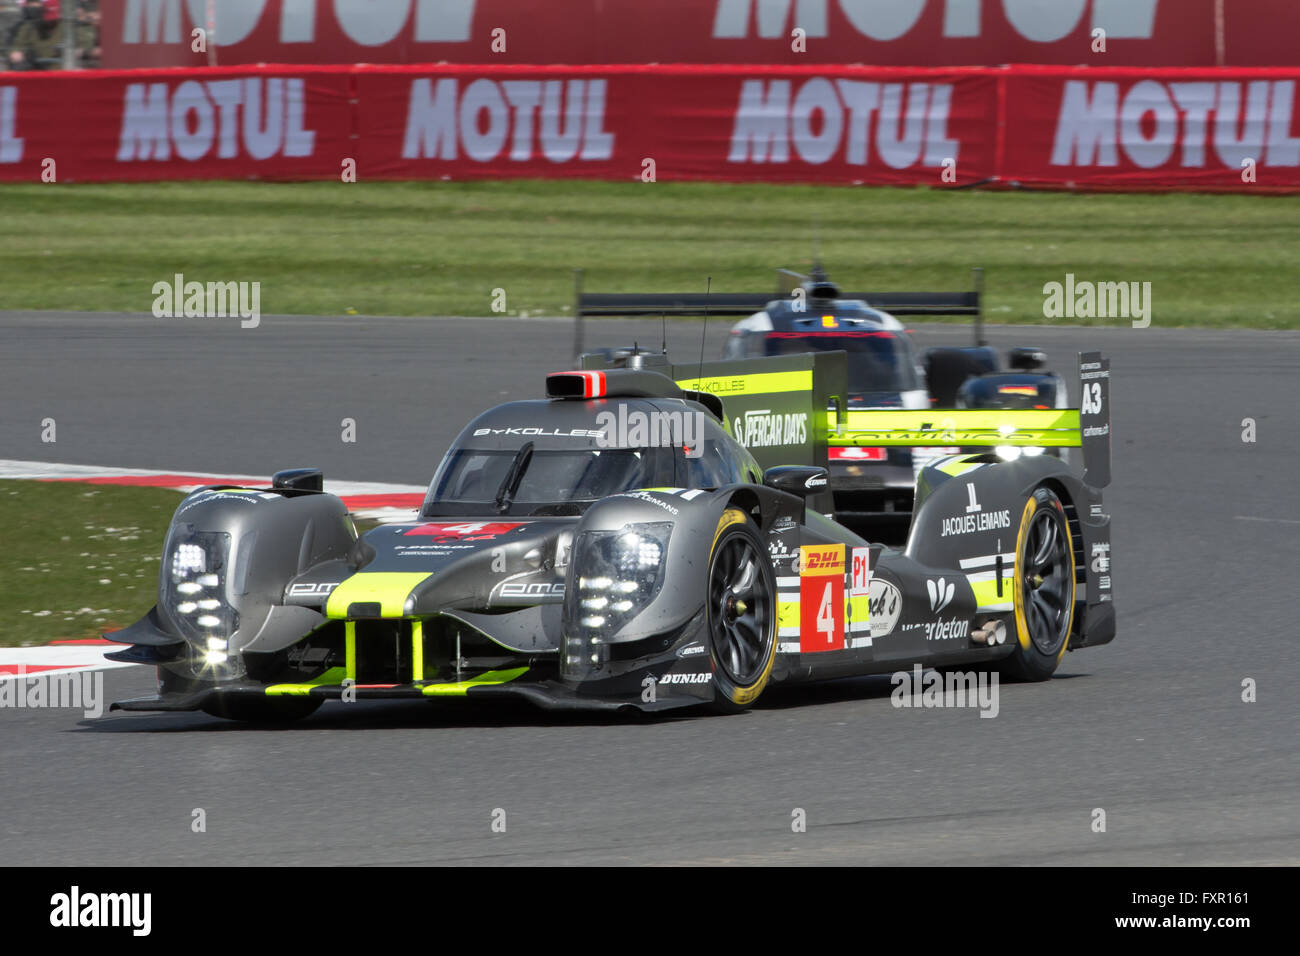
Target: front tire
[(740, 614), (1044, 590)]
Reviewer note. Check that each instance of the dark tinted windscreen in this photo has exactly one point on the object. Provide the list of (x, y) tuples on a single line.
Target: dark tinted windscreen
[(877, 361), (470, 476)]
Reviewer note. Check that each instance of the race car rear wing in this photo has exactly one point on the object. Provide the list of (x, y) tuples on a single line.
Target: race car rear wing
[(791, 409), (775, 405), (1086, 427), (622, 305)]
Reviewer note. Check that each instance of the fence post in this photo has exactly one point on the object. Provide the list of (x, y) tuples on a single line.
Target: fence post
[(70, 9)]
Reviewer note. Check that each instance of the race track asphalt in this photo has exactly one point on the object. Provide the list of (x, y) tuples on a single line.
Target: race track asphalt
[(1151, 728)]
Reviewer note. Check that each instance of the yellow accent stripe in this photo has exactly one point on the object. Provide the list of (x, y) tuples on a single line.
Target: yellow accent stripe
[(956, 466), (787, 614), (334, 675), (387, 588), (459, 688), (859, 607), (986, 592), (1042, 427), (758, 383), (911, 418), (417, 650), (350, 650), (1017, 597)]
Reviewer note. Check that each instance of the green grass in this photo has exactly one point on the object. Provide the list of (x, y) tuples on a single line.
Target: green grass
[(80, 559), (440, 248)]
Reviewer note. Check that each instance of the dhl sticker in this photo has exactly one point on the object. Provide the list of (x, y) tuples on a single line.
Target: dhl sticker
[(821, 560)]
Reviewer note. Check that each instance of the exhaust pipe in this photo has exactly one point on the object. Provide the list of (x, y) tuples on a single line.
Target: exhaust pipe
[(992, 633)]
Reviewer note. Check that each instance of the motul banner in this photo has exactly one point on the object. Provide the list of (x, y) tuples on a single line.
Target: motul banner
[(880, 126), (1152, 129), (177, 124), (946, 128), (152, 33)]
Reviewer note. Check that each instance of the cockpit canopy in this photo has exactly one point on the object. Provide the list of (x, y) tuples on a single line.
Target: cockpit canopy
[(556, 458), (553, 476)]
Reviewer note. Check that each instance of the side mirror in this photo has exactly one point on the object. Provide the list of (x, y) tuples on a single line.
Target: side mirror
[(802, 480), (299, 479), (1026, 358), (841, 413)]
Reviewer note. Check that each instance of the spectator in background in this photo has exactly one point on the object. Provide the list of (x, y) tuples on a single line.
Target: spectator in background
[(33, 41), (88, 52), (33, 33)]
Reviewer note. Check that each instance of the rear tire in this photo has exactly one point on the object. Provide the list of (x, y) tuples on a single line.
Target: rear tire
[(740, 613), (262, 710), (1044, 589)]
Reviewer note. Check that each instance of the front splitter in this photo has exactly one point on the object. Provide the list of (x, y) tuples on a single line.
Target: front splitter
[(547, 695)]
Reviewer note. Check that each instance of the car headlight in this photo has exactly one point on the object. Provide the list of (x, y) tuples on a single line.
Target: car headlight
[(616, 574), (194, 590)]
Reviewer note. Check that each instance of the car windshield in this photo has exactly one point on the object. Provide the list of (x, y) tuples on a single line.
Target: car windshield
[(559, 477), (878, 361)]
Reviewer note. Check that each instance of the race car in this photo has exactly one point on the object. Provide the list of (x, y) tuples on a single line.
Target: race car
[(615, 546), (884, 369)]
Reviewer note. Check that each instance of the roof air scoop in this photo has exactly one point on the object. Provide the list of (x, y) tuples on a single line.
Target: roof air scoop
[(575, 385), (611, 383), (820, 286)]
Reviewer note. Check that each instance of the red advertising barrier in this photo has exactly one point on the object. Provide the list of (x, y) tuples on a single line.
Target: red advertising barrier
[(1152, 129), (263, 123), (153, 33), (882, 126), (1047, 126)]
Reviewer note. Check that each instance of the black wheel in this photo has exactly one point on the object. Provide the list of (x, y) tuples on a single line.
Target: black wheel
[(262, 710), (1043, 594), (741, 613)]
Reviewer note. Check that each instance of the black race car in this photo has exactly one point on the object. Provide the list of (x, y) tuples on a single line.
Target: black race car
[(614, 545)]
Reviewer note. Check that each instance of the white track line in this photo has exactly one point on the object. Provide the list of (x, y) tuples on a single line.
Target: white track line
[(60, 658), (44, 470), (74, 658)]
